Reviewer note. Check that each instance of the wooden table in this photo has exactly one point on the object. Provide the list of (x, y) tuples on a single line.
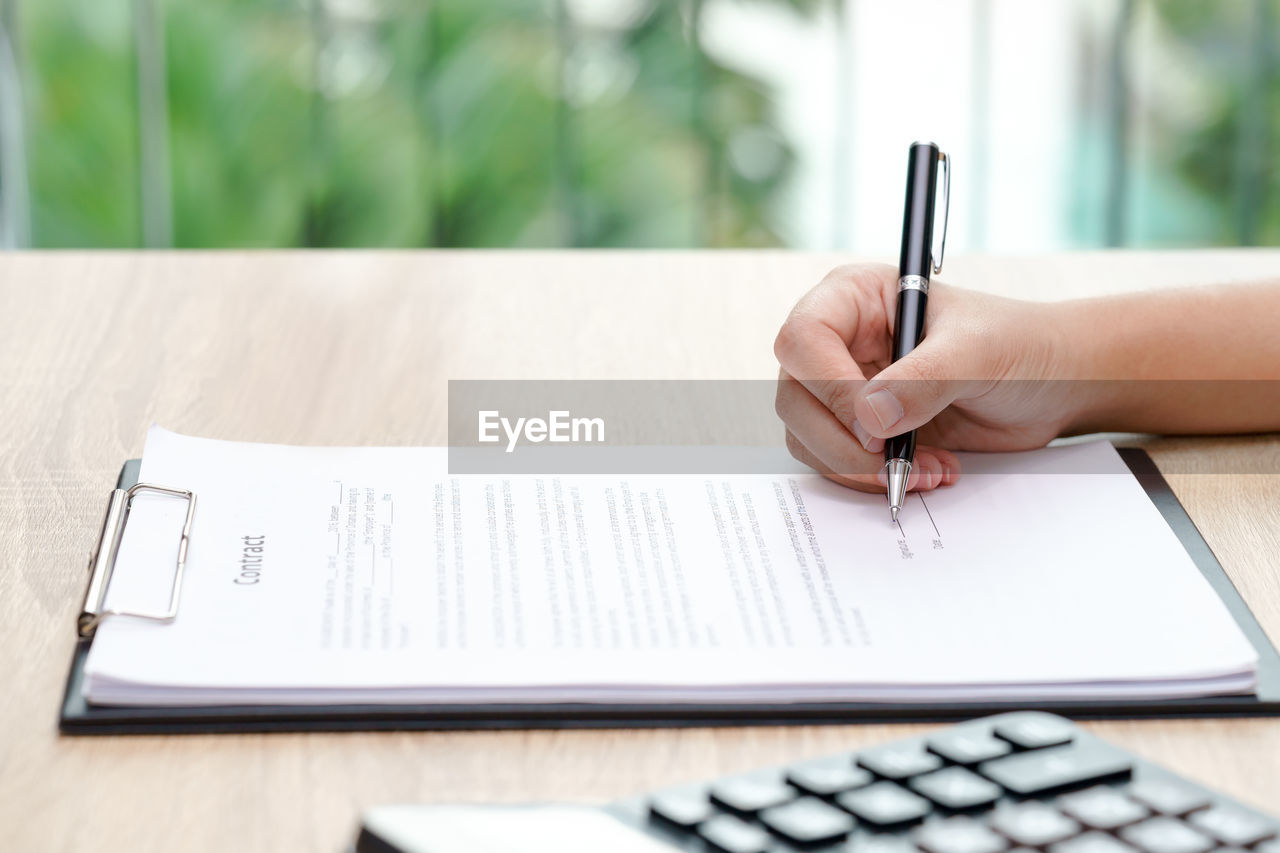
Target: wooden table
[(356, 348)]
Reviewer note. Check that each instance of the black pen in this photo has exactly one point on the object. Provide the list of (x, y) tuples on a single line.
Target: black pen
[(915, 265)]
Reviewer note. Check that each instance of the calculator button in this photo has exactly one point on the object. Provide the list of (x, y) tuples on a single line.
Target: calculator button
[(956, 788), (731, 835), (807, 821), (899, 762), (826, 778), (1102, 808), (1168, 797), (1036, 731), (968, 747), (1033, 824), (685, 809), (1233, 826), (1092, 842), (1046, 770), (1166, 835), (748, 795), (959, 835), (884, 804)]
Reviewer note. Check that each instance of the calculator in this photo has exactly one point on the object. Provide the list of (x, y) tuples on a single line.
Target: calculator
[(1012, 783)]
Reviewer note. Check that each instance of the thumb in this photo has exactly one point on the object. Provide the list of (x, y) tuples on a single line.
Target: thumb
[(910, 392)]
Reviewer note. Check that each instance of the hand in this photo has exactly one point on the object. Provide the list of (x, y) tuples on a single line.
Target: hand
[(840, 397)]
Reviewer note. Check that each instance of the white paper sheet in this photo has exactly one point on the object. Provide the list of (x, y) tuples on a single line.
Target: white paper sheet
[(370, 575)]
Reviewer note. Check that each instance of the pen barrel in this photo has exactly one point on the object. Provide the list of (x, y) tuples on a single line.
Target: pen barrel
[(908, 331), (917, 216), (901, 447), (908, 323)]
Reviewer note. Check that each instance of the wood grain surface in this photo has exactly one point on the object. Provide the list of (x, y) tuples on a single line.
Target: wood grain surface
[(357, 348)]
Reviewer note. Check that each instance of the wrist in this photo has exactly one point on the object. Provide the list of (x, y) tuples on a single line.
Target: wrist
[(1083, 355)]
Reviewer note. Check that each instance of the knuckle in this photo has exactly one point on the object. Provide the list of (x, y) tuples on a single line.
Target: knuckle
[(841, 397), (782, 400), (787, 341), (796, 448), (843, 272)]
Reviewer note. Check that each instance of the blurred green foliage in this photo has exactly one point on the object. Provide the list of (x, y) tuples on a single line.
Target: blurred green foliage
[(83, 150), (399, 123), (493, 123), (1225, 155)]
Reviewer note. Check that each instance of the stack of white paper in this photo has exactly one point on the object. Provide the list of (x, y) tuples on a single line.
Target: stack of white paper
[(370, 575)]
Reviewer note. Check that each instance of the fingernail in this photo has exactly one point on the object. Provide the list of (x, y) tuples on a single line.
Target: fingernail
[(869, 442), (887, 409)]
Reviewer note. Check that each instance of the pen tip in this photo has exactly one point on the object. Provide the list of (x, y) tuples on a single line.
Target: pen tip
[(893, 514)]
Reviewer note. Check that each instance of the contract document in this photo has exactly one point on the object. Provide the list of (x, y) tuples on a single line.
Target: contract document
[(371, 575)]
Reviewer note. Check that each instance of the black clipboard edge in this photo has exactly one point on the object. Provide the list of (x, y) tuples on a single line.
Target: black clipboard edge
[(79, 718)]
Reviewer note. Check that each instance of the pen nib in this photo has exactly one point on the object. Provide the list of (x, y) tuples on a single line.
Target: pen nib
[(893, 514), (899, 471)]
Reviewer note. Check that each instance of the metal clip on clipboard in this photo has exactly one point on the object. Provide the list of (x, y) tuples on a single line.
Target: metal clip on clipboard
[(102, 562)]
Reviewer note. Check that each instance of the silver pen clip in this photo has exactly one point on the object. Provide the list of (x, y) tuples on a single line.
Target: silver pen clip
[(946, 211)]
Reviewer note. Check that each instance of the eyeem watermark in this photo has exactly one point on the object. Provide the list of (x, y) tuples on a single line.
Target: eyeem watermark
[(559, 427)]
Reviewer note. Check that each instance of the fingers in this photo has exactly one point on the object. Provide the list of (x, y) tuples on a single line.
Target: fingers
[(861, 482), (913, 390), (839, 323), (933, 468), (816, 438), (815, 427), (837, 421)]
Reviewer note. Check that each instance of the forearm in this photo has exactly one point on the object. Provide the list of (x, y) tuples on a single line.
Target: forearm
[(1188, 361)]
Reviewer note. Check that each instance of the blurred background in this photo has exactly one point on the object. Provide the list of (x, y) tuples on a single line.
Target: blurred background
[(643, 123)]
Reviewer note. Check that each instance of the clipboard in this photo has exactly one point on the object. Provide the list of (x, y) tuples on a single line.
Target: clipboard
[(78, 717)]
